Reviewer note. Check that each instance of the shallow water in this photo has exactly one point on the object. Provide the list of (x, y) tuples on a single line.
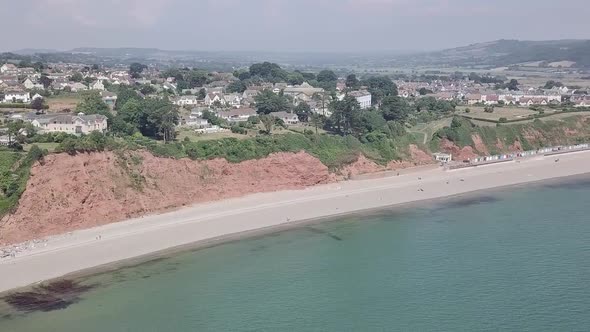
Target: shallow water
[(516, 259)]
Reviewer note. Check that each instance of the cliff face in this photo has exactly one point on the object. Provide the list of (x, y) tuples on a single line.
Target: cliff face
[(67, 193)]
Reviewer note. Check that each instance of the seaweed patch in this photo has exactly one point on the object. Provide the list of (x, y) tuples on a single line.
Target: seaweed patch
[(323, 232), (54, 296)]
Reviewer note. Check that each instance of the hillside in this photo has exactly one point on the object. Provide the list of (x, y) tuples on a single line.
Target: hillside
[(507, 53)]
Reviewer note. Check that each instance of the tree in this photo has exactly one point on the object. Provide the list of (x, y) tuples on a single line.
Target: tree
[(327, 79), (196, 79), (551, 84), (147, 89), (76, 77), (352, 82), (346, 116), (135, 69), (37, 104), (236, 86), (268, 122), (124, 94), (269, 71), (91, 103), (14, 128), (45, 80), (303, 110), (423, 91), (269, 102), (317, 120), (395, 109), (512, 85), (295, 78), (380, 87), (202, 93)]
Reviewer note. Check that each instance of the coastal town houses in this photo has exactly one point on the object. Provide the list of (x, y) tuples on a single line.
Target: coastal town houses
[(304, 88), (233, 100), (76, 124), (17, 96)]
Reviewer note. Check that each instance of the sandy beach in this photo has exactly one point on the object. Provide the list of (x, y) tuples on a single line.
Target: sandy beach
[(87, 249)]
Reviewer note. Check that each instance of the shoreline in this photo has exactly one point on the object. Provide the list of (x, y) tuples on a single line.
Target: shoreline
[(209, 224)]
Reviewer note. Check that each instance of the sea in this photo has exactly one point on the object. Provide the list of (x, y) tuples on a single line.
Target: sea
[(513, 259)]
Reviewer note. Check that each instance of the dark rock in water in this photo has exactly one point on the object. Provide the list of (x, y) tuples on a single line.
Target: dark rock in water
[(48, 297)]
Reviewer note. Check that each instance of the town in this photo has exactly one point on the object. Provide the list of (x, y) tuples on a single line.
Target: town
[(215, 102)]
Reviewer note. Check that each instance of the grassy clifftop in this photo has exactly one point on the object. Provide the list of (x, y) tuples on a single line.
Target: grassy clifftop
[(536, 134)]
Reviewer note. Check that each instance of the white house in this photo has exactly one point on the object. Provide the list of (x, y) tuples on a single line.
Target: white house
[(185, 100), (363, 97), (237, 115), (211, 98), (17, 96), (233, 100), (71, 124), (75, 87), (288, 118), (97, 85), (29, 85)]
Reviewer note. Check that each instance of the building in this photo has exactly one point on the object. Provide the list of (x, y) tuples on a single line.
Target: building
[(185, 100), (16, 96), (109, 98), (443, 157), (76, 124), (237, 115), (97, 86), (30, 85), (303, 88), (8, 69), (363, 98), (288, 118), (211, 98)]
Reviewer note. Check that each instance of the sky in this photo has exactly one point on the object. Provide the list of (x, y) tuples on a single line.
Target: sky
[(286, 25)]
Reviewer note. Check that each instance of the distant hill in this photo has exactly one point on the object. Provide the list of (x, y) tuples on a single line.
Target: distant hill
[(507, 53)]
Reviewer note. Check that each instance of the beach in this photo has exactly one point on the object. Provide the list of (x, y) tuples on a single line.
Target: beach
[(234, 218)]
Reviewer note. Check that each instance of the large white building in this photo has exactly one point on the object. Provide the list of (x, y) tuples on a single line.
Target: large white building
[(76, 124), (17, 96), (363, 97)]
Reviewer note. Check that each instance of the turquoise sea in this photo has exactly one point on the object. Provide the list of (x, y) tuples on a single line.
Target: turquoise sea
[(515, 259)]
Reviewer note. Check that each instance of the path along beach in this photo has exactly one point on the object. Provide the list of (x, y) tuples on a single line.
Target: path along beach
[(230, 219)]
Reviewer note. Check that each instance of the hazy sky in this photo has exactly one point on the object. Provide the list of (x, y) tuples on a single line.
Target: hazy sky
[(285, 25)]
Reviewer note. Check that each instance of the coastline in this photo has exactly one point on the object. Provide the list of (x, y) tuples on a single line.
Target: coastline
[(212, 223)]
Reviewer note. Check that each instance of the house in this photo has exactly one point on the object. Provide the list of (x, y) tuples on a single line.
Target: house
[(72, 124), (185, 100), (288, 118), (582, 103), (76, 87), (237, 115), (303, 88), (8, 69), (98, 85), (109, 98), (30, 85), (196, 123), (233, 100), (36, 96), (15, 96), (250, 94), (473, 98), (490, 99), (211, 98), (443, 157), (363, 98)]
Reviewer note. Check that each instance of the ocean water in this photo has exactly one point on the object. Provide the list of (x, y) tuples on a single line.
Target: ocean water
[(515, 259)]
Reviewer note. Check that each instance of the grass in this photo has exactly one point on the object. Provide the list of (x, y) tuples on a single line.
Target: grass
[(14, 173), (63, 101), (425, 131), (50, 147), (196, 137)]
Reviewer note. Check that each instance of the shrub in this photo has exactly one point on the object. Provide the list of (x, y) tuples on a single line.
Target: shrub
[(503, 120)]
